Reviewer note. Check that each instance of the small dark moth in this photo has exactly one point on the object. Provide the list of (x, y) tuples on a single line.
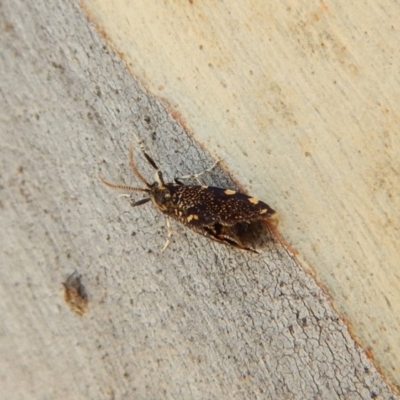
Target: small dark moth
[(223, 215)]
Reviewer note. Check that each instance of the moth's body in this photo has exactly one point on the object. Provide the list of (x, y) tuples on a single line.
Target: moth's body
[(223, 215), (206, 205), (220, 214)]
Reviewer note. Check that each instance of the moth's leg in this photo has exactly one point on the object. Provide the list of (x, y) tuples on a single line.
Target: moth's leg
[(133, 202), (139, 202), (197, 176), (216, 234), (170, 232), (144, 150), (140, 142), (228, 241)]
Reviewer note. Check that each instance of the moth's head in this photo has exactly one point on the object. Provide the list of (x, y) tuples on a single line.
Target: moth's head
[(161, 195)]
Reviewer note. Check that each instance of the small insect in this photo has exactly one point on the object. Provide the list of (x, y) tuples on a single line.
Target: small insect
[(75, 293), (223, 215)]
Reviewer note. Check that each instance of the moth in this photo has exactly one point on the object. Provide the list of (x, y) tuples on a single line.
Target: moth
[(223, 215)]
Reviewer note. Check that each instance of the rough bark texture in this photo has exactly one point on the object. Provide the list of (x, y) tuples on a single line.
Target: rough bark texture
[(300, 100), (200, 320)]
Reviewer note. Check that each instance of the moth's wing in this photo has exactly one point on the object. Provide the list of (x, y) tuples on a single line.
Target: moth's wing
[(223, 215), (224, 206)]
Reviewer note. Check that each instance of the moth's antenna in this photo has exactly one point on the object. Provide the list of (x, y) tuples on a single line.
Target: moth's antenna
[(134, 168), (123, 187)]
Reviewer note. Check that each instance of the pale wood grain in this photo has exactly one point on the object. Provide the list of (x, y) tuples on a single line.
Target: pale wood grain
[(301, 100)]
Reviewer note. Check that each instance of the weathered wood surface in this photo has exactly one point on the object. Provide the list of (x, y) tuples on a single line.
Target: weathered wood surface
[(198, 321), (301, 101)]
